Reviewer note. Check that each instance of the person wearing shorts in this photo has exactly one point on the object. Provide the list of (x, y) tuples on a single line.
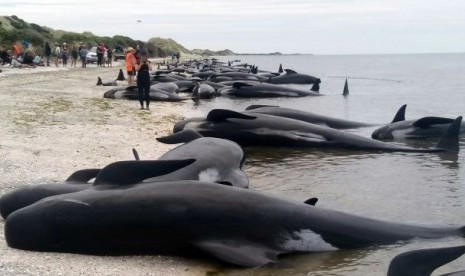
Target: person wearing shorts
[(130, 65)]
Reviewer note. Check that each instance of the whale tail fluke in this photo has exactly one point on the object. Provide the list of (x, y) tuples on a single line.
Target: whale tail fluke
[(450, 139), (316, 87), (345, 92), (83, 176), (99, 81)]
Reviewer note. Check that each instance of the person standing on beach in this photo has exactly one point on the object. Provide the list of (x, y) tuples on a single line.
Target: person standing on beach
[(48, 53), (109, 56), (130, 65), (74, 56), (57, 54), (83, 56), (143, 68), (100, 53), (64, 54)]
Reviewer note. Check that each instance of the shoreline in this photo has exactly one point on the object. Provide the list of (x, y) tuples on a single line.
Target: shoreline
[(56, 121)]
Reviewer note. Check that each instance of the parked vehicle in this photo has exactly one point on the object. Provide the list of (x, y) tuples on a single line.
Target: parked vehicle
[(92, 55)]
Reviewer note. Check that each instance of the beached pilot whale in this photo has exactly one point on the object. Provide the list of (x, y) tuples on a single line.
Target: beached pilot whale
[(425, 127), (216, 160), (131, 93), (78, 181), (424, 261), (305, 116), (106, 83), (254, 129), (262, 90), (292, 77), (239, 226)]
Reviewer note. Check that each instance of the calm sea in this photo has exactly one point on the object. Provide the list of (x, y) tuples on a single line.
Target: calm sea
[(424, 189)]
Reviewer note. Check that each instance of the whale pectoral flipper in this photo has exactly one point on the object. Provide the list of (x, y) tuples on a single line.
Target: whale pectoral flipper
[(133, 172), (219, 115), (246, 254), (428, 121)]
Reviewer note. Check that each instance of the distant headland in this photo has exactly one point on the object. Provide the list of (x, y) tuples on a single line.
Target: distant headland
[(14, 29)]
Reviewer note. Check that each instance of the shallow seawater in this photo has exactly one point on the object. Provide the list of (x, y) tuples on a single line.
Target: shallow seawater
[(414, 188)]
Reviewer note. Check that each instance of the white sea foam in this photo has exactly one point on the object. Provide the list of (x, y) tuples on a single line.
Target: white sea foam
[(306, 240), (209, 175)]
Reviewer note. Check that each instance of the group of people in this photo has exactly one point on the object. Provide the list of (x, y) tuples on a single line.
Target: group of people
[(20, 58), (137, 63)]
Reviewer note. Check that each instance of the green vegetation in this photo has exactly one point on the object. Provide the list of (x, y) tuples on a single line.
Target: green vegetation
[(14, 30)]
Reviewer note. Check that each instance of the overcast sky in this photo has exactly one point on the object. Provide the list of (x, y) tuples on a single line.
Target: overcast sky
[(262, 26)]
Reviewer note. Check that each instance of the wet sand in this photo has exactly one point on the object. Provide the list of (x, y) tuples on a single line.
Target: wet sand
[(55, 121)]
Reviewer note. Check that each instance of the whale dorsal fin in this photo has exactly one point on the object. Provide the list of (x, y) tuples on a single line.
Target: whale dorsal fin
[(239, 84), (255, 106), (280, 70), (423, 261), (83, 176), (345, 92), (183, 136), (133, 172), (400, 115), (311, 201), (218, 115), (248, 254), (290, 72), (428, 121), (99, 81)]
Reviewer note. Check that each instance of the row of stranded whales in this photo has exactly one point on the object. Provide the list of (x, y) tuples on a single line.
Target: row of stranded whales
[(425, 127), (216, 79), (212, 159), (239, 226), (423, 262), (257, 129)]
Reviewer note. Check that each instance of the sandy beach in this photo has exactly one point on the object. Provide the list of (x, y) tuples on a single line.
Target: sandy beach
[(56, 121)]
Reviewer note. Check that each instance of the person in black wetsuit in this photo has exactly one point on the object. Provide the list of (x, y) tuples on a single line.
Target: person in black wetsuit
[(143, 68)]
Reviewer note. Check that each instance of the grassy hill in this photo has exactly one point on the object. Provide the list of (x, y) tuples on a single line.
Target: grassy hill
[(14, 29)]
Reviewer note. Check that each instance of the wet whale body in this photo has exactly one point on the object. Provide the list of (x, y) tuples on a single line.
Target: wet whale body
[(423, 262), (305, 116), (262, 90), (78, 181), (131, 93), (239, 226), (292, 77), (426, 127), (255, 129), (216, 160)]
